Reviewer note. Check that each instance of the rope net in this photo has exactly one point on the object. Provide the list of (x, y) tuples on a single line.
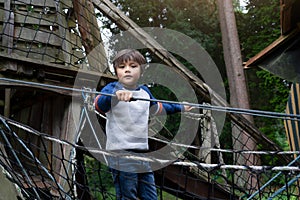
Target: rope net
[(51, 32), (55, 168), (47, 41)]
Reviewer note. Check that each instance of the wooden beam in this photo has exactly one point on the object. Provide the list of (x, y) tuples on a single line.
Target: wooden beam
[(55, 68), (252, 62), (175, 177), (7, 102)]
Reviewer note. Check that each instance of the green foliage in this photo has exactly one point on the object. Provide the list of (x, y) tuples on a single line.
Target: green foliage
[(196, 19), (270, 93), (275, 99), (279, 89), (173, 121), (258, 28), (99, 179)]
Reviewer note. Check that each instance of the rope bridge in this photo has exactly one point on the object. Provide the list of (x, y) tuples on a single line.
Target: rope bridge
[(74, 172)]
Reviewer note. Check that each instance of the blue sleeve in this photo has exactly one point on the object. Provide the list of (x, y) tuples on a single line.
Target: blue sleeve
[(172, 108), (102, 101), (159, 108)]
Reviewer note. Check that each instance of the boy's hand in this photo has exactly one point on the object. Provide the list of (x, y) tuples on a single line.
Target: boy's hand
[(124, 95), (188, 108)]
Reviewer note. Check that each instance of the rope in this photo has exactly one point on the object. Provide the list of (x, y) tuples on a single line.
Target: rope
[(258, 113), (239, 167), (190, 164), (272, 179), (227, 150), (64, 142), (207, 168)]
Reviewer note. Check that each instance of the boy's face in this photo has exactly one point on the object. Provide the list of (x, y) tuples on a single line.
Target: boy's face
[(128, 74)]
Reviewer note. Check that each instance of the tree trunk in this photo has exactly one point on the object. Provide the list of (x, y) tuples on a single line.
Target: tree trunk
[(237, 87)]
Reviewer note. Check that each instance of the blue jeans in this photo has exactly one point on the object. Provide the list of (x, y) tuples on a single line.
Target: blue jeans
[(133, 179), (131, 186)]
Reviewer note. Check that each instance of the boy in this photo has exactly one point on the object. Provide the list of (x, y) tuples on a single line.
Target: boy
[(127, 125)]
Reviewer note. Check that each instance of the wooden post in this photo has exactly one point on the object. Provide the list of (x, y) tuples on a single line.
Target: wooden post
[(7, 102)]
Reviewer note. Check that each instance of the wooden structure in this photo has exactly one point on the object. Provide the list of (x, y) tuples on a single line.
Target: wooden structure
[(40, 43), (293, 127)]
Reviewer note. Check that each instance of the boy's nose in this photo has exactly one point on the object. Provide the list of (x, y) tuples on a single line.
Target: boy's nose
[(127, 68)]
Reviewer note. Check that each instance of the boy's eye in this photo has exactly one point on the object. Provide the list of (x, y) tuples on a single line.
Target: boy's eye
[(121, 66), (133, 66)]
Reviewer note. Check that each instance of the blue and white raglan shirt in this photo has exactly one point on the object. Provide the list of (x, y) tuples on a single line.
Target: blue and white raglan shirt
[(127, 122)]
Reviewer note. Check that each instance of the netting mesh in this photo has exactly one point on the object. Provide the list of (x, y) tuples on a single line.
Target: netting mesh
[(50, 40), (51, 32), (73, 172)]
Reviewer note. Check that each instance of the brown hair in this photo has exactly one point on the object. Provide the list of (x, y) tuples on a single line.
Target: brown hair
[(127, 55)]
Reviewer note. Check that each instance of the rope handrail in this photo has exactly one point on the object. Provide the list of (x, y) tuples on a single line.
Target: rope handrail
[(228, 150), (258, 113)]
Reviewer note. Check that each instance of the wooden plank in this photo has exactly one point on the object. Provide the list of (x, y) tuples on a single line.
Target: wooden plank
[(75, 41), (42, 3), (35, 9), (64, 33), (178, 178), (46, 54), (25, 17), (36, 116), (4, 85), (76, 55), (56, 68), (7, 102), (285, 16), (35, 18), (48, 3), (35, 122), (56, 116), (292, 126), (24, 118), (67, 3), (46, 37), (63, 128), (46, 127), (8, 27)]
